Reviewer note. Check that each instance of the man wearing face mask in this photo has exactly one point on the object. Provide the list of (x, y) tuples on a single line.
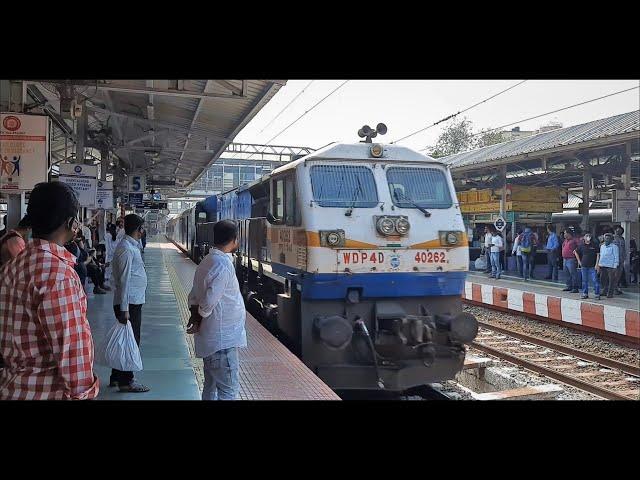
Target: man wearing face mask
[(587, 255), (15, 240), (608, 265), (45, 339), (130, 284)]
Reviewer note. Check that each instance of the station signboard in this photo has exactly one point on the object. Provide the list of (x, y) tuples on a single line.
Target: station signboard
[(24, 151), (136, 199), (83, 180), (625, 206), (104, 196), (137, 183)]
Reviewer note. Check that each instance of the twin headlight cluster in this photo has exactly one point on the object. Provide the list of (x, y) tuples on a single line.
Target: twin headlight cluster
[(392, 225)]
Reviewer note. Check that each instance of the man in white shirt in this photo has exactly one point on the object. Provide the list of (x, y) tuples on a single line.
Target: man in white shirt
[(218, 316), (496, 245), (129, 284), (86, 232), (487, 248)]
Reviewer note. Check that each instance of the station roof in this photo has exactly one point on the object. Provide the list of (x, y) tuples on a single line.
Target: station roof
[(168, 129), (622, 127)]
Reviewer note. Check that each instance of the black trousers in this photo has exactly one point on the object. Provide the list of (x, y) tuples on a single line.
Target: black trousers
[(135, 317), (96, 274), (608, 277)]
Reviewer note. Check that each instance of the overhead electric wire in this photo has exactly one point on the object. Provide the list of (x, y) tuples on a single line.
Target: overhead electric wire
[(549, 113), (296, 120), (458, 113), (286, 106)]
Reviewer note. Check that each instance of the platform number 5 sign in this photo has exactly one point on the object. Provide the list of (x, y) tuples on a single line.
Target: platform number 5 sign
[(137, 183)]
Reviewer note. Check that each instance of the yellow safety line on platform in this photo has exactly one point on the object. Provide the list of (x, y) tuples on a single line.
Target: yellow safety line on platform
[(185, 314)]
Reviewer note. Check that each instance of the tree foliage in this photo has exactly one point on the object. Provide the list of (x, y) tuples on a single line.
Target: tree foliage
[(458, 137)]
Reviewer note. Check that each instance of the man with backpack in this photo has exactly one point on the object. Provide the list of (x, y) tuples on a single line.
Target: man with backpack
[(526, 243)]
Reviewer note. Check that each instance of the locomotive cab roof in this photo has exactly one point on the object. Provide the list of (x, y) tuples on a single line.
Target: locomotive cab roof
[(361, 151)]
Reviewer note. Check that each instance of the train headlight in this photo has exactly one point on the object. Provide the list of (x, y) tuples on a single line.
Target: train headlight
[(450, 239), (376, 150), (333, 239), (385, 225), (402, 226)]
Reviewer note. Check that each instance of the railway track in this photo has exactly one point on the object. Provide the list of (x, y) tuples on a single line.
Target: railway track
[(619, 381)]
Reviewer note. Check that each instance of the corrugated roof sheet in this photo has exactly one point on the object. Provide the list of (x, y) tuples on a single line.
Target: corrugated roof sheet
[(606, 127)]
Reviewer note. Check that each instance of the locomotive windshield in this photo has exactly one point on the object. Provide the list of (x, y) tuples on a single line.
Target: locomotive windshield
[(343, 186), (424, 187)]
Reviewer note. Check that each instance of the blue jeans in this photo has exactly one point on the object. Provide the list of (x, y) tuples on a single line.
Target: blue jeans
[(519, 265), (552, 261), (495, 264), (221, 375), (571, 268), (590, 272), (526, 265)]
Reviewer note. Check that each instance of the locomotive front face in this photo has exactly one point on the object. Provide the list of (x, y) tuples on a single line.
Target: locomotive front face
[(378, 260)]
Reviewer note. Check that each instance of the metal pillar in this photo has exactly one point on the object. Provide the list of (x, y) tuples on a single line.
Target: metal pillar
[(503, 207), (586, 186), (12, 93), (626, 179)]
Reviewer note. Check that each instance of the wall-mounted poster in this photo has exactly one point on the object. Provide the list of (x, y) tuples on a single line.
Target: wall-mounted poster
[(24, 151)]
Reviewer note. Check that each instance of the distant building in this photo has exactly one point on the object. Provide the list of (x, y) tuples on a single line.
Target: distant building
[(550, 126), (515, 133)]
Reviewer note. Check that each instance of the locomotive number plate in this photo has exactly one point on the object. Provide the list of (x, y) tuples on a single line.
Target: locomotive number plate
[(391, 260)]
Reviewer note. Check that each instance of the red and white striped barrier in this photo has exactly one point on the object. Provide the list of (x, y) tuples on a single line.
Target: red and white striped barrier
[(609, 318)]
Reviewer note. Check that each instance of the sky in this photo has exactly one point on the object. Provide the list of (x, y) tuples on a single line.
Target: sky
[(408, 105)]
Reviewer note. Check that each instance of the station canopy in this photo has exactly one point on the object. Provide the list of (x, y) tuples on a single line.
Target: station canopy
[(170, 130), (558, 157)]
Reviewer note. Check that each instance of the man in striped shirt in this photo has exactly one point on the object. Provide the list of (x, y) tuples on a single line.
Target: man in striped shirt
[(45, 339)]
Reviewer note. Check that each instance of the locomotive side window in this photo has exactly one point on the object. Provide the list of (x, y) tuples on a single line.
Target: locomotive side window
[(290, 200), (343, 186), (284, 199), (278, 200), (425, 187)]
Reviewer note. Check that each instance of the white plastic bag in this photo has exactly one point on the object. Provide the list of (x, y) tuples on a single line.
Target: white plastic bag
[(119, 349), (481, 263)]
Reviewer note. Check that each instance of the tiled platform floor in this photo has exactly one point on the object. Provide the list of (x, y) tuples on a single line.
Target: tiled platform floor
[(268, 370), (168, 368)]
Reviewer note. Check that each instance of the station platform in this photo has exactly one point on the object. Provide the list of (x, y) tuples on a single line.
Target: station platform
[(268, 370), (168, 368), (617, 317)]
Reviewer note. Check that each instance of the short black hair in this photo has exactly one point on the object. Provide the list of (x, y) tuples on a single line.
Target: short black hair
[(132, 222), (224, 232), (25, 222), (620, 227), (51, 204)]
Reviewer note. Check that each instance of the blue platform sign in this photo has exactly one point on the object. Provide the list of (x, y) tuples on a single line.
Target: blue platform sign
[(136, 199)]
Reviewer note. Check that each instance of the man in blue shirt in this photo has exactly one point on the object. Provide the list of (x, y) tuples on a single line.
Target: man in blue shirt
[(553, 249), (608, 265), (218, 316)]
